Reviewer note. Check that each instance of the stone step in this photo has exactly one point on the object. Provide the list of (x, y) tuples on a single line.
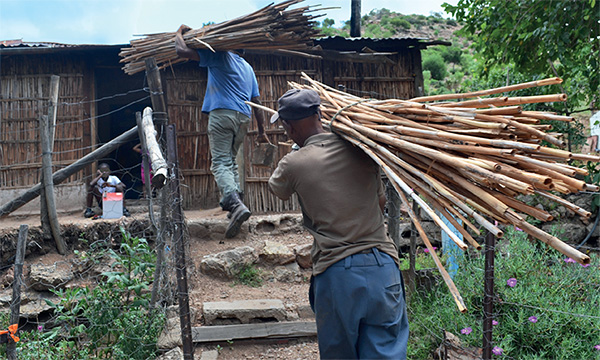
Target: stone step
[(244, 312)]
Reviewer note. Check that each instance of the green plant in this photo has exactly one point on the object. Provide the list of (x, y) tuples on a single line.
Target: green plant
[(110, 320), (551, 312), (249, 275), (433, 62)]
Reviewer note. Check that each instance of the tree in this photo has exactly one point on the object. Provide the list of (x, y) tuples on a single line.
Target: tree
[(539, 37)]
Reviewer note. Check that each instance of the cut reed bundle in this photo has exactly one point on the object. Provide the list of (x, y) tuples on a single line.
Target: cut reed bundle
[(272, 27), (468, 159)]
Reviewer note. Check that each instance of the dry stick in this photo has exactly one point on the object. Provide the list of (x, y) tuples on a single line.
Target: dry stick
[(554, 242), (544, 82), (576, 209), (536, 180), (466, 149), (524, 208)]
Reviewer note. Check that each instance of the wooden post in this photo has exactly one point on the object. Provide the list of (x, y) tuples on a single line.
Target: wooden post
[(52, 109), (355, 18), (49, 185), (488, 297), (157, 98), (160, 242), (159, 165), (63, 174), (179, 226), (15, 305)]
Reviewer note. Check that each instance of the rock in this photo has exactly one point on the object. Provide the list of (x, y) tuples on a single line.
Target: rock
[(274, 253), (209, 355), (305, 312), (170, 337), (173, 354), (44, 277), (575, 231), (303, 257), (288, 273), (244, 311), (227, 264), (452, 349), (432, 231), (7, 278)]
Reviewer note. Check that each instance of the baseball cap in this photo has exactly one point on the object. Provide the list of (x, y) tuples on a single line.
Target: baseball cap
[(297, 104)]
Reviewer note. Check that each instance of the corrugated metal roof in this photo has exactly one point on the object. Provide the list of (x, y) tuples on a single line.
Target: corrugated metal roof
[(384, 44), (21, 43)]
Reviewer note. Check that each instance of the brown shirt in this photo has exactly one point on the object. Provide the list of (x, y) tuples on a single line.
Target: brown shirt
[(338, 187)]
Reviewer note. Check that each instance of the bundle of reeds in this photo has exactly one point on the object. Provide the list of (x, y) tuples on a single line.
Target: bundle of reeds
[(466, 160), (272, 27)]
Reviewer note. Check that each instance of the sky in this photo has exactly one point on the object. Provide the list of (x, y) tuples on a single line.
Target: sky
[(119, 21)]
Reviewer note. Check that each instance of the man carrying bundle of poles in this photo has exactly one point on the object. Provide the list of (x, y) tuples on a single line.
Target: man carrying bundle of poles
[(231, 82), (356, 291)]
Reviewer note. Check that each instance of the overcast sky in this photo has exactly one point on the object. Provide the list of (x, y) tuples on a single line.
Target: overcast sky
[(117, 21)]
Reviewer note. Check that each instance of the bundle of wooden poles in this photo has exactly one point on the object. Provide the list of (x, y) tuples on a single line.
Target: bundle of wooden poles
[(465, 159), (274, 27)]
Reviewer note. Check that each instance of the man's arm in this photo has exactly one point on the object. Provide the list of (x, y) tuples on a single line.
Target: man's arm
[(260, 121), (181, 47)]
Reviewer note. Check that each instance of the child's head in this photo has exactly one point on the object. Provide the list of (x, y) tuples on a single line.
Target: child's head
[(105, 170)]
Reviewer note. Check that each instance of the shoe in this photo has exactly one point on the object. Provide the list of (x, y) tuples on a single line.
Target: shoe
[(126, 212), (241, 194), (239, 213), (88, 213)]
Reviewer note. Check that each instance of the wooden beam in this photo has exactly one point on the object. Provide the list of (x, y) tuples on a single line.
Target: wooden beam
[(204, 334)]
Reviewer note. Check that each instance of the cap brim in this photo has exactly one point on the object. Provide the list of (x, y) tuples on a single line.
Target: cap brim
[(274, 118)]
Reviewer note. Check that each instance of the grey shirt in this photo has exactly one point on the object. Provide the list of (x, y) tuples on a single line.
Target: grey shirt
[(338, 187)]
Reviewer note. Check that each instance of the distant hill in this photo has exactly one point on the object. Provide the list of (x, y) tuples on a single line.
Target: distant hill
[(384, 23)]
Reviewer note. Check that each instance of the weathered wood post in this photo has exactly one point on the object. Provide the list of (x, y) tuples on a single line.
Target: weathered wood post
[(49, 185), (180, 233), (15, 305), (52, 109)]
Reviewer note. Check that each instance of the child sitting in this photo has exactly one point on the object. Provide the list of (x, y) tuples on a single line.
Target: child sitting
[(103, 183)]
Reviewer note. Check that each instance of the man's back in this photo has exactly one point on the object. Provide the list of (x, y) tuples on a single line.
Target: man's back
[(338, 186), (231, 81)]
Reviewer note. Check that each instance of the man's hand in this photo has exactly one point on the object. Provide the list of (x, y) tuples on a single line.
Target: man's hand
[(183, 29), (262, 138)]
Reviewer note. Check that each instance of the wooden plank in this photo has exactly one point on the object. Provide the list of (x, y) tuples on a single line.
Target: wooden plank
[(203, 334)]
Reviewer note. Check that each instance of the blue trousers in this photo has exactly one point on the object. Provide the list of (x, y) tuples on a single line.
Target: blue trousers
[(226, 131), (360, 308)]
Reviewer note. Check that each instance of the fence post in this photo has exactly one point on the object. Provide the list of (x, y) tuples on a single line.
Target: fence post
[(15, 305), (180, 259), (49, 185), (488, 298), (52, 110)]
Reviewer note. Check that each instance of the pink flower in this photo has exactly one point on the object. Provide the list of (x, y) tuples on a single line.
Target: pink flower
[(466, 331), (427, 250), (512, 282), (518, 229), (497, 351), (569, 260), (40, 328), (533, 319), (494, 322), (586, 265), (597, 347)]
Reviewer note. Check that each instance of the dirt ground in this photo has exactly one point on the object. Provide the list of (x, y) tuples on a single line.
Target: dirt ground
[(204, 288)]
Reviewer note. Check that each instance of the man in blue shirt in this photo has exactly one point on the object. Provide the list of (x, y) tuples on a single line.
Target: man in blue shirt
[(231, 82)]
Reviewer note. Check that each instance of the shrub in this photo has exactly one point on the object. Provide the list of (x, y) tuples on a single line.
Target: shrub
[(551, 312), (434, 63), (399, 22), (110, 320)]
